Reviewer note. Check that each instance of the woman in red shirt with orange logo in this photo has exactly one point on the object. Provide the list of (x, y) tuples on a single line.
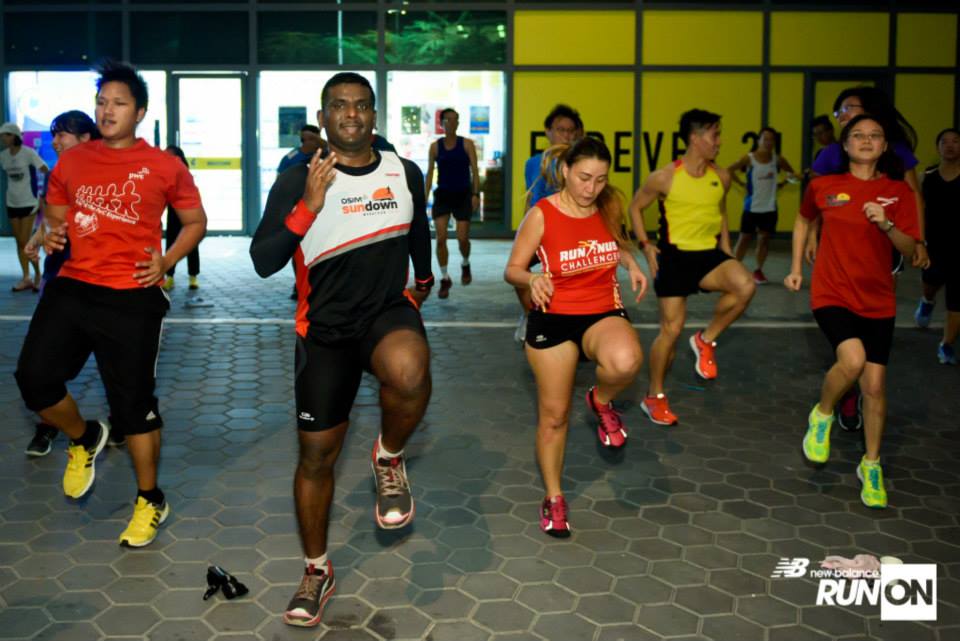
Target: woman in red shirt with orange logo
[(577, 234), (852, 292)]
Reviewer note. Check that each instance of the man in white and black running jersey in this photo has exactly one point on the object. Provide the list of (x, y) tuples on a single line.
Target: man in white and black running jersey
[(352, 220), (762, 167)]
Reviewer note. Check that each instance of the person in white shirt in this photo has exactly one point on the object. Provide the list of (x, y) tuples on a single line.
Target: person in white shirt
[(19, 163), (762, 167)]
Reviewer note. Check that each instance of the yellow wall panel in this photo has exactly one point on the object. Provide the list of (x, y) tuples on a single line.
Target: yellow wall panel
[(926, 101), (574, 38), (829, 39), (927, 39), (666, 95), (605, 102), (786, 116), (721, 37)]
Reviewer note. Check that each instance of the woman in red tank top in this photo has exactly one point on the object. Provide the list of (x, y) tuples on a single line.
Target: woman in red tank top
[(578, 237)]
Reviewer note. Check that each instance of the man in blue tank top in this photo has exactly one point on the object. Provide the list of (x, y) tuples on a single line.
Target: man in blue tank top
[(458, 193)]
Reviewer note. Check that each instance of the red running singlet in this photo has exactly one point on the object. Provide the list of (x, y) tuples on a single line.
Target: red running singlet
[(581, 257)]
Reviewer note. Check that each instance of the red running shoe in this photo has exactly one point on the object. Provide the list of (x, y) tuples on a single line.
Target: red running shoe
[(759, 278), (658, 410), (553, 517), (610, 431), (706, 364)]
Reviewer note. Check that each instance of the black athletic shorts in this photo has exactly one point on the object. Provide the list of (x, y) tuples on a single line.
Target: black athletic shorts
[(327, 376), (944, 272), (546, 330), (19, 212), (121, 328), (458, 203), (680, 272), (840, 324), (751, 222)]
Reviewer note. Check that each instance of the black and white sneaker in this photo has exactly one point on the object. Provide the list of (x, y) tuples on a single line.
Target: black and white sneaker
[(394, 507), (42, 440), (306, 606)]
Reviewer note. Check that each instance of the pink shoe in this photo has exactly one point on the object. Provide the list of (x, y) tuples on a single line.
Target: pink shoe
[(610, 431), (553, 517)]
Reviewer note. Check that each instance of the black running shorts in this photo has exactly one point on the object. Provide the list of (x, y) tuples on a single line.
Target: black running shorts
[(19, 212), (751, 222), (328, 375), (546, 330), (458, 203), (944, 272), (121, 328), (840, 324), (680, 272)]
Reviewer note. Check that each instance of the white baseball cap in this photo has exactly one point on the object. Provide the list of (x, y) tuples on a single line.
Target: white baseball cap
[(11, 128)]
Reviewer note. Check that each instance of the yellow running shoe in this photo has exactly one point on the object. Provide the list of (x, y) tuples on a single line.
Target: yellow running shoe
[(816, 442), (194, 282), (81, 463), (873, 494), (168, 284), (146, 520)]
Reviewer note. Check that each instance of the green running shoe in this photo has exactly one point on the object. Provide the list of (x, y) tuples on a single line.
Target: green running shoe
[(873, 493), (816, 443)]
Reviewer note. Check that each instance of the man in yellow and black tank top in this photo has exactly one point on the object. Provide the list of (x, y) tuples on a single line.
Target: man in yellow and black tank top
[(693, 253)]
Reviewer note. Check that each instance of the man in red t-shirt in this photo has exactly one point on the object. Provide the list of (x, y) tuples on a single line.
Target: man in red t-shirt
[(107, 197), (865, 215)]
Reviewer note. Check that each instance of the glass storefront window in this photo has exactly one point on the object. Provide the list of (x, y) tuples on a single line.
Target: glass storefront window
[(189, 37), (321, 37), (61, 37), (446, 37), (35, 98), (413, 122), (288, 100)]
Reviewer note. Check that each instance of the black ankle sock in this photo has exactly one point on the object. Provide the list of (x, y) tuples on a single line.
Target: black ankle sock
[(90, 436), (154, 496)]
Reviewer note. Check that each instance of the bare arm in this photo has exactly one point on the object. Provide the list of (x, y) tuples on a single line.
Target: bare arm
[(474, 173), (740, 165), (785, 166), (55, 218), (517, 272), (725, 177), (431, 164), (801, 229), (656, 186), (921, 258), (152, 270)]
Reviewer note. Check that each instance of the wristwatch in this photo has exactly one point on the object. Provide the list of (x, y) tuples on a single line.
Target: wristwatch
[(888, 226)]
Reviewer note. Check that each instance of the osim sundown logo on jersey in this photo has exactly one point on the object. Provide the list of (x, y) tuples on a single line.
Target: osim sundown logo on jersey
[(381, 200)]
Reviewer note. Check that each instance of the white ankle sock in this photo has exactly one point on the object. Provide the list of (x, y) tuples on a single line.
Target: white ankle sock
[(465, 262), (443, 271), (320, 563), (383, 452)]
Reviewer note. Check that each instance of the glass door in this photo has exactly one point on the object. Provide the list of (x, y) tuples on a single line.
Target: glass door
[(210, 131)]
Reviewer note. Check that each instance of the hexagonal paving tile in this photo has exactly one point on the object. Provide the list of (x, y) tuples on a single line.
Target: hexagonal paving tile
[(546, 597), (77, 606), (704, 600), (503, 616)]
